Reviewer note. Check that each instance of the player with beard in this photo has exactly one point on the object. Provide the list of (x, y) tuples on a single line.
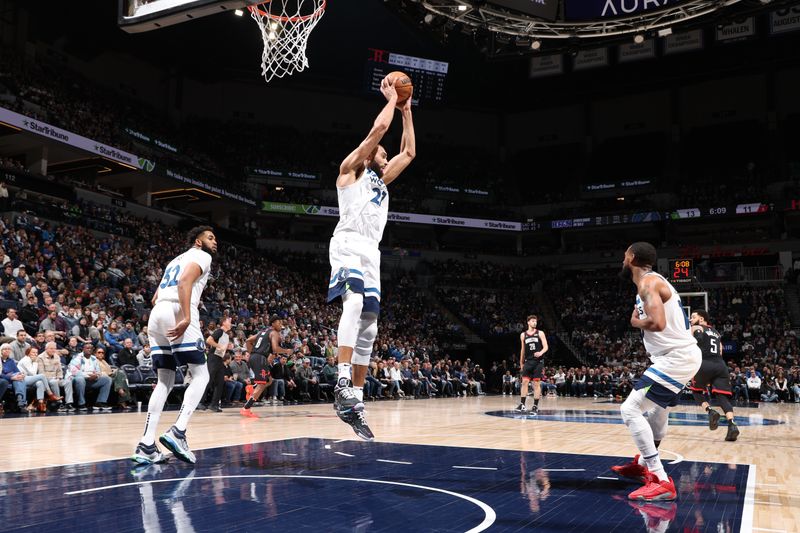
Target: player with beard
[(175, 337), (713, 373), (533, 345), (354, 255), (675, 357)]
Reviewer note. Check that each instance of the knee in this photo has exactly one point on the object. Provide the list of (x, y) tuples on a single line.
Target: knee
[(629, 410)]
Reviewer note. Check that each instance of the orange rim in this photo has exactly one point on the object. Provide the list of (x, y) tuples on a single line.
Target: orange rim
[(301, 18)]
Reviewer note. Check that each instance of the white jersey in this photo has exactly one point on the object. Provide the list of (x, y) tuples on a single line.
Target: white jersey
[(363, 207), (168, 288), (676, 335)]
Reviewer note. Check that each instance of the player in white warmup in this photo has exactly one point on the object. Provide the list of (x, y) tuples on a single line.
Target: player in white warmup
[(355, 257), (175, 338), (676, 358)]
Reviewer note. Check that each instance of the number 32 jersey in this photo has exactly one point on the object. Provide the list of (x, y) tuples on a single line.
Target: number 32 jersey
[(363, 207), (168, 287)]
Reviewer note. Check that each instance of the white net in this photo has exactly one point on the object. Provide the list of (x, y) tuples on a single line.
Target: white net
[(285, 27)]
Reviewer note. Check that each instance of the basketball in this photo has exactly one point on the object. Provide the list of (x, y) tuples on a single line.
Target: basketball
[(402, 84)]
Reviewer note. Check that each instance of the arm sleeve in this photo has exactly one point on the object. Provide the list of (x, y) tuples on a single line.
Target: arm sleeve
[(217, 335)]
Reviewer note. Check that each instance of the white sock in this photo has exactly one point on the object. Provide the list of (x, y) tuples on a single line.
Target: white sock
[(166, 379), (344, 370), (359, 392), (654, 465), (193, 395)]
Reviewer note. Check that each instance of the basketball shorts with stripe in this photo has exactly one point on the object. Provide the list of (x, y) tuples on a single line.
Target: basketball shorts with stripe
[(668, 375), (355, 266), (169, 353)]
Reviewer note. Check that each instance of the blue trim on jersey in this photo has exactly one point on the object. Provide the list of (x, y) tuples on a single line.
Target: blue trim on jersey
[(371, 305), (185, 345), (664, 377), (355, 285), (373, 289), (161, 348)]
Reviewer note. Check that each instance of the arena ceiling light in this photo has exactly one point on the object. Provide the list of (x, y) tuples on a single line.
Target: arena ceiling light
[(615, 17)]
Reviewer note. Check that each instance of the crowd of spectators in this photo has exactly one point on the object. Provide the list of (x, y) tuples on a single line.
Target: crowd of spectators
[(81, 290)]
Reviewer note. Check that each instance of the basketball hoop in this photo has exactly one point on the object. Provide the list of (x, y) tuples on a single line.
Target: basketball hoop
[(285, 27)]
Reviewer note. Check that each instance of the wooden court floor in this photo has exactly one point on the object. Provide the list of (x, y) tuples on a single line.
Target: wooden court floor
[(41, 441)]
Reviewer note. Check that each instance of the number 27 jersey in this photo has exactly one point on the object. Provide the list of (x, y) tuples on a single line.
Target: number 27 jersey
[(168, 287), (363, 207)]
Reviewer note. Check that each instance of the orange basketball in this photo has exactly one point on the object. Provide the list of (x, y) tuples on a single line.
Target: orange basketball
[(402, 84)]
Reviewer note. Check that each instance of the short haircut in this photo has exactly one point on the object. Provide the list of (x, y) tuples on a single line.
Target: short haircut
[(644, 254), (702, 313), (534, 317), (195, 233)]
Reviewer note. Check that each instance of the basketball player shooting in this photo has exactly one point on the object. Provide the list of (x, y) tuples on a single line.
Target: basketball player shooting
[(354, 255), (175, 337), (675, 357)]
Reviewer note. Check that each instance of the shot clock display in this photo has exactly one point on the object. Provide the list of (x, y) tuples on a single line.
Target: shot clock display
[(681, 270)]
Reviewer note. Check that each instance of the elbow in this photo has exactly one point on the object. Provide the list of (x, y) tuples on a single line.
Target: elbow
[(410, 153), (380, 127)]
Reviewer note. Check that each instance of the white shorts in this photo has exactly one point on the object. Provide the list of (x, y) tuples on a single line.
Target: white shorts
[(188, 348), (355, 267), (669, 374)]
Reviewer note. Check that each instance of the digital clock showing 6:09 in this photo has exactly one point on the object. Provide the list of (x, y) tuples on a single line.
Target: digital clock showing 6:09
[(681, 269)]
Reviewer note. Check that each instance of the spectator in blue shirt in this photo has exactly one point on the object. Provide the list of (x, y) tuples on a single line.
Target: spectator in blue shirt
[(12, 375)]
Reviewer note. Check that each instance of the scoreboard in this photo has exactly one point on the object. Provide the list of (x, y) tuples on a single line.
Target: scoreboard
[(427, 75), (681, 270)]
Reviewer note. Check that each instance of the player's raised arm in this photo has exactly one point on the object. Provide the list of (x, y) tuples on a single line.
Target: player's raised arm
[(408, 147), (650, 293), (185, 284), (354, 162)]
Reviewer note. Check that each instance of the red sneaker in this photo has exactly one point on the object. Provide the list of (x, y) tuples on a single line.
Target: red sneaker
[(248, 413), (248, 392), (655, 490), (632, 470)]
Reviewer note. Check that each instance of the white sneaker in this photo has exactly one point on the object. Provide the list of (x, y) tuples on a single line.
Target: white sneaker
[(178, 445)]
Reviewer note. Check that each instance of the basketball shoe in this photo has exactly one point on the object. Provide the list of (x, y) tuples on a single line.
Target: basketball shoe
[(655, 490), (148, 455), (175, 441), (713, 419), (632, 470), (521, 407), (345, 399), (733, 431)]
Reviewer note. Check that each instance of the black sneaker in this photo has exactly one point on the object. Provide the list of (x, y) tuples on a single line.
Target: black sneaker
[(82, 408), (733, 432), (102, 407), (535, 410), (345, 400), (358, 422), (521, 407), (216, 409), (713, 419)]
